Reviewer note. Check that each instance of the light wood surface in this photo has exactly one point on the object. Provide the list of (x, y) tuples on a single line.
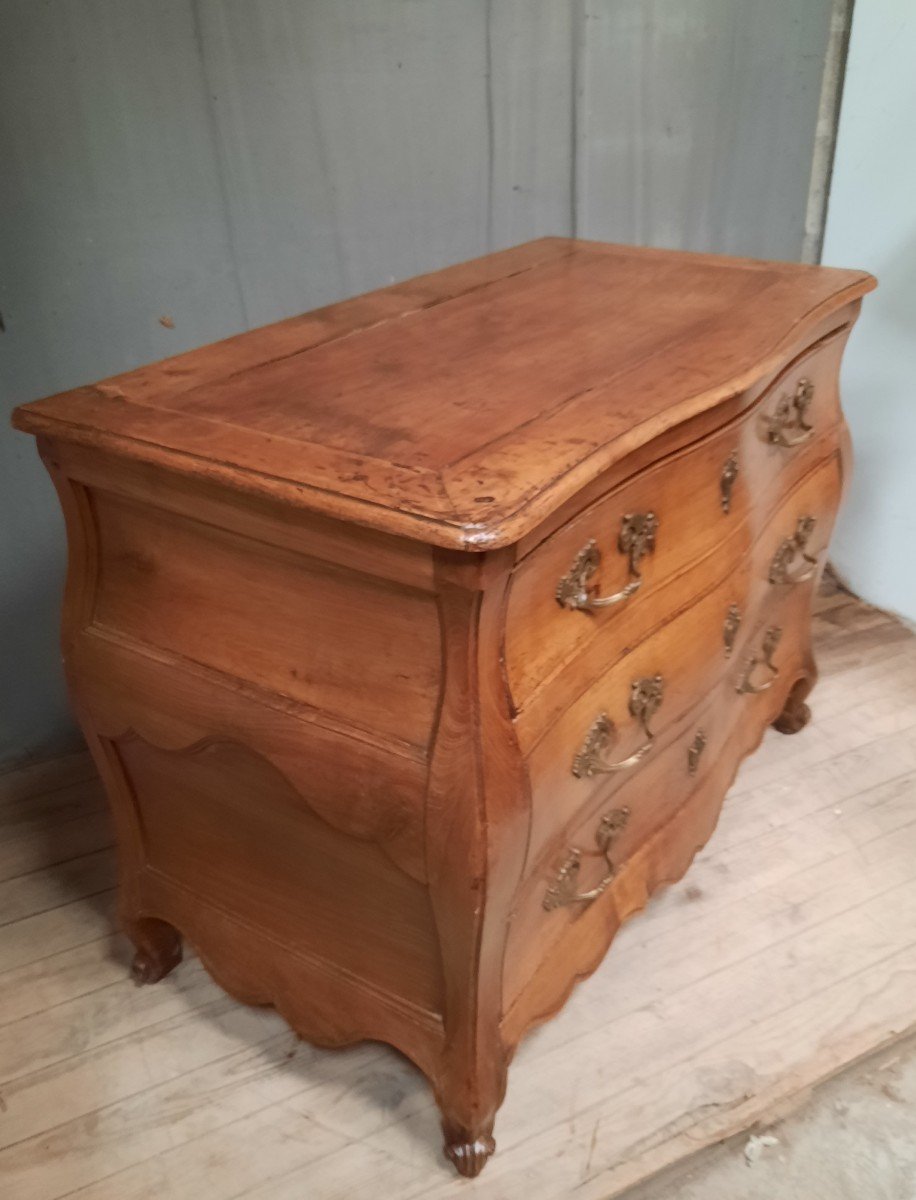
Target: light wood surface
[(789, 949)]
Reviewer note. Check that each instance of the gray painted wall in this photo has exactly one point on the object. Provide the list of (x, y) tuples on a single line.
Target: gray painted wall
[(225, 163)]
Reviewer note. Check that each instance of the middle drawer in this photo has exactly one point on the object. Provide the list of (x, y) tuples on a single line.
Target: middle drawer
[(625, 718)]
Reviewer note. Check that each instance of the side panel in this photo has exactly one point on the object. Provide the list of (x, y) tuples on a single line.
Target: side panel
[(276, 829), (360, 649)]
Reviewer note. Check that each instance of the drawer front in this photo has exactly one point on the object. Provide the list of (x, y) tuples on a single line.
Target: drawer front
[(608, 733), (571, 874), (788, 556), (574, 873), (794, 421), (626, 546), (605, 737), (737, 652), (608, 567)]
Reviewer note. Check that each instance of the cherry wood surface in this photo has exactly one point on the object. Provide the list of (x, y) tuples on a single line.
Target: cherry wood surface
[(312, 633)]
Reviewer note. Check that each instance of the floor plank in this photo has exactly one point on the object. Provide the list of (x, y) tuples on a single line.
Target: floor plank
[(788, 950), (36, 846), (40, 891), (45, 777), (57, 978)]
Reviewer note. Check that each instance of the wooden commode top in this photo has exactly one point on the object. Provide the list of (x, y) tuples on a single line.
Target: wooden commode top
[(419, 638), (461, 408)]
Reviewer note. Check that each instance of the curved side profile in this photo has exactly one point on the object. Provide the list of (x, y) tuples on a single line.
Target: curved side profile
[(403, 708)]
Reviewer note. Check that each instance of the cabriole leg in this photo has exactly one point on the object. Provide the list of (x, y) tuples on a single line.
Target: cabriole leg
[(795, 714), (468, 1106), (157, 949), (468, 1150)]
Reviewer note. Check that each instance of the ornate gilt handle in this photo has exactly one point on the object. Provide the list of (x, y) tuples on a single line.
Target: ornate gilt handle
[(746, 685), (792, 549), (636, 539), (788, 424), (645, 701), (563, 890)]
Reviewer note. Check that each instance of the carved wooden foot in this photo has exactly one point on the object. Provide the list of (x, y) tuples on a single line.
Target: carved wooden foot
[(158, 949), (467, 1153), (468, 1100), (795, 714)]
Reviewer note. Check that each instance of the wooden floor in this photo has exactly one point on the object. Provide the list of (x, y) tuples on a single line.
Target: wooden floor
[(789, 950)]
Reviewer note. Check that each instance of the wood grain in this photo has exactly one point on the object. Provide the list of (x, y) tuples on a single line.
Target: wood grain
[(547, 365)]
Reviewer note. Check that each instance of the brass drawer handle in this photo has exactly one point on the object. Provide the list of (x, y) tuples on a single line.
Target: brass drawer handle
[(563, 889), (636, 539), (746, 685), (788, 425), (789, 550), (645, 701)]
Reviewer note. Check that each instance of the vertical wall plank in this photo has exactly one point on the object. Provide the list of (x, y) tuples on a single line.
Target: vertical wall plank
[(698, 122), (354, 141), (531, 91), (110, 184), (111, 216)]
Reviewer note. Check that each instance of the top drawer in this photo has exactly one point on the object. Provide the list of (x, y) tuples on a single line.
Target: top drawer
[(711, 497)]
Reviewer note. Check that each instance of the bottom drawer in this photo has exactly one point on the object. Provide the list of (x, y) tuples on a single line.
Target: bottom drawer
[(579, 865)]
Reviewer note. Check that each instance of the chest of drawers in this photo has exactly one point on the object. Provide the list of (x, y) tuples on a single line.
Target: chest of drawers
[(418, 639)]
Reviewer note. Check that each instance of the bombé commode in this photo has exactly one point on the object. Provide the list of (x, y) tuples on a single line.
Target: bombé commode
[(419, 638)]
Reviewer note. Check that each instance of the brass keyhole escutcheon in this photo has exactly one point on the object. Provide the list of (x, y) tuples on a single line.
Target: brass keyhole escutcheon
[(727, 481), (694, 752), (730, 628)]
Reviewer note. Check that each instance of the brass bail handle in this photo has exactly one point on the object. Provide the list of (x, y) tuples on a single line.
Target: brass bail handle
[(746, 684), (563, 889), (576, 589), (788, 424), (645, 700), (793, 552)]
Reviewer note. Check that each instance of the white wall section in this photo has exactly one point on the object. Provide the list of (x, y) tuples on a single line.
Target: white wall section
[(871, 223)]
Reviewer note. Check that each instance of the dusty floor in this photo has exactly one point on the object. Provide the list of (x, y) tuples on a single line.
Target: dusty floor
[(854, 1138)]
